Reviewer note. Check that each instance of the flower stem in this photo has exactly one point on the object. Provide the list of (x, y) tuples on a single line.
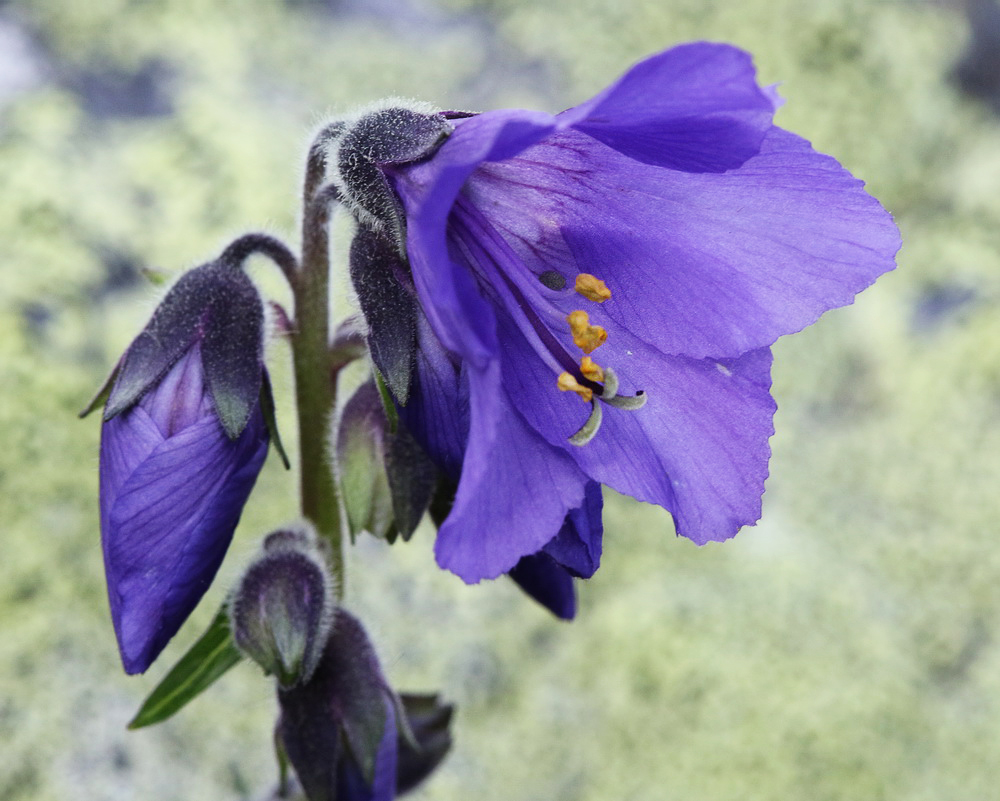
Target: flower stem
[(310, 353)]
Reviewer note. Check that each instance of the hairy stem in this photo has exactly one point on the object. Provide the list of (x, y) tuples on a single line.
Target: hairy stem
[(310, 352)]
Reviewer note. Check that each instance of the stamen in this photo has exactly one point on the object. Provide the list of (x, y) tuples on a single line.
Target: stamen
[(592, 288), (586, 336), (591, 369), (589, 429), (567, 383)]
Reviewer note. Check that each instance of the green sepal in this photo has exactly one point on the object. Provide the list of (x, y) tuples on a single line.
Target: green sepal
[(361, 445), (154, 276), (102, 393), (267, 409), (207, 660), (412, 478), (390, 408)]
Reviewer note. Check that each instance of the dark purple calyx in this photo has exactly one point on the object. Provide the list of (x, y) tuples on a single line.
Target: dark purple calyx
[(340, 714), (281, 610), (217, 305), (384, 288), (379, 139)]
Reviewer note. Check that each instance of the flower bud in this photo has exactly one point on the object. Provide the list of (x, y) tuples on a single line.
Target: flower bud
[(282, 607), (339, 729), (185, 435), (386, 478)]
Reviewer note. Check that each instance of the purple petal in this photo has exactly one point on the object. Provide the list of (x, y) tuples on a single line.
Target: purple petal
[(437, 412), (698, 264), (513, 494), (180, 399), (457, 312), (577, 546), (548, 582), (695, 108), (168, 521), (699, 447)]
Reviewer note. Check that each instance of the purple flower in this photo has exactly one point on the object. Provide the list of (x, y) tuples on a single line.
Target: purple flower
[(596, 294), (183, 440)]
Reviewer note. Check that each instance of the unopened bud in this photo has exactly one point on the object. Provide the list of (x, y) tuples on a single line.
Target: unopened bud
[(386, 478), (282, 608)]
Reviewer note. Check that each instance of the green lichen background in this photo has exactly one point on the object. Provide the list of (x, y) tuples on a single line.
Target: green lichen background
[(847, 647)]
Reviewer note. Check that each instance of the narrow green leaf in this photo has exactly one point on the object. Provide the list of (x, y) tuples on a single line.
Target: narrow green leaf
[(205, 661)]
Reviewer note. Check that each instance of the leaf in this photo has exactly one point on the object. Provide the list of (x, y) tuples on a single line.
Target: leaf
[(207, 660)]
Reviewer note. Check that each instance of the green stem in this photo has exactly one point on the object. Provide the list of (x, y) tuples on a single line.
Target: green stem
[(311, 357)]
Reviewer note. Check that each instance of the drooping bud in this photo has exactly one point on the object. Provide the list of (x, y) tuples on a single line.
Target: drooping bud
[(386, 478), (186, 429), (282, 608), (339, 729)]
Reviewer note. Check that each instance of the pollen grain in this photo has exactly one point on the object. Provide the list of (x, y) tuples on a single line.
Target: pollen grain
[(586, 336), (592, 288), (567, 383), (591, 369)]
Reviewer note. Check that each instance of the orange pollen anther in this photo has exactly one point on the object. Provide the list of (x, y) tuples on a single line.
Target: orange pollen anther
[(567, 383), (591, 369), (592, 288), (586, 336)]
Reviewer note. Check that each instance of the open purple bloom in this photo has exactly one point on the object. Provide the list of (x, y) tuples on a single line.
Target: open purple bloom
[(184, 438), (601, 289)]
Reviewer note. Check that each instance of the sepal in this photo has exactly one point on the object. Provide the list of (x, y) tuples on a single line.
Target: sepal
[(375, 141), (218, 305), (384, 289), (424, 738), (270, 420)]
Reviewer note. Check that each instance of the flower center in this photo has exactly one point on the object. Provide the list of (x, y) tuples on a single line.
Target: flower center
[(589, 338)]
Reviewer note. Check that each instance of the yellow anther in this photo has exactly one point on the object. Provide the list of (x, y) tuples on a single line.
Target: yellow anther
[(567, 383), (591, 369), (592, 288), (586, 336)]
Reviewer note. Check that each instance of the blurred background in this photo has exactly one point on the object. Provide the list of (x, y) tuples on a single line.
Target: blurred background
[(848, 647)]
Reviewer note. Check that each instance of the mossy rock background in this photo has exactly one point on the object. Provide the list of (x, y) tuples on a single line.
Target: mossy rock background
[(845, 648)]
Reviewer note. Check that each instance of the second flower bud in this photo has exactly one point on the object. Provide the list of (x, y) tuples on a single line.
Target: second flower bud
[(282, 608)]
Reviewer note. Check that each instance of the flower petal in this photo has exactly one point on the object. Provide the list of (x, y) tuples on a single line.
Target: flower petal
[(169, 525), (548, 582), (457, 312), (698, 264), (513, 494), (577, 546), (696, 108), (437, 411), (547, 576), (698, 447)]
